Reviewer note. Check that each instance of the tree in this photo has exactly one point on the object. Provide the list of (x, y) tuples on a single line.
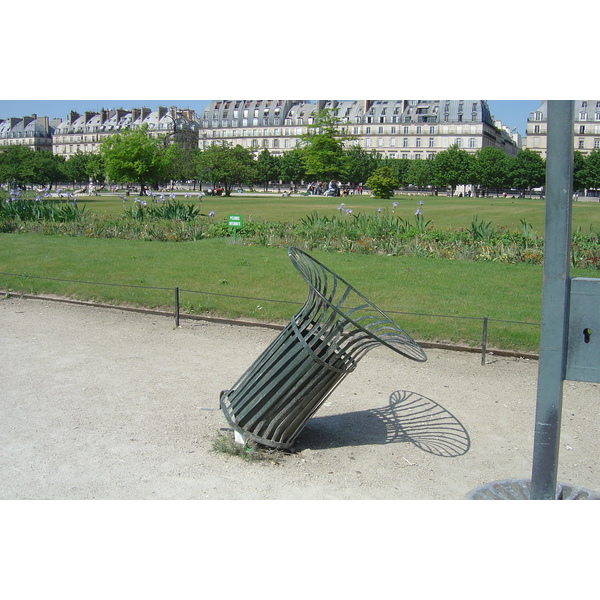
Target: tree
[(527, 170), (83, 167), (453, 167), (46, 168), (591, 171), (267, 168), (491, 168), (419, 172), (324, 156), (579, 164), (227, 166), (21, 165), (360, 165), (133, 156), (291, 166), (382, 182), (14, 165)]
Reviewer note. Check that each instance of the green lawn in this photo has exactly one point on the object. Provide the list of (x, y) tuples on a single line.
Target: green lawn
[(433, 299), (444, 212), (450, 298)]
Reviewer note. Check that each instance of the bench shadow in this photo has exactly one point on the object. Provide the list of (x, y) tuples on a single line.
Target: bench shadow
[(409, 417)]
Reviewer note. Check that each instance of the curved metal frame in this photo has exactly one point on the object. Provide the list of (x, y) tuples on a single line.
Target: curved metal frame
[(323, 342)]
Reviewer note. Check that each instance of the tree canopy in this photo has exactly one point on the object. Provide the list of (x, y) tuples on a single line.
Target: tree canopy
[(324, 156), (134, 156), (227, 166)]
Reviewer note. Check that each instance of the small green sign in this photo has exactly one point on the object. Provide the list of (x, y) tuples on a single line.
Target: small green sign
[(234, 220)]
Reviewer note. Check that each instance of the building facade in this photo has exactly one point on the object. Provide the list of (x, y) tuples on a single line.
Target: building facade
[(85, 133), (34, 132), (586, 128), (414, 129)]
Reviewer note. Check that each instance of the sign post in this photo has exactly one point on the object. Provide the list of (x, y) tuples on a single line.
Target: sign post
[(234, 221)]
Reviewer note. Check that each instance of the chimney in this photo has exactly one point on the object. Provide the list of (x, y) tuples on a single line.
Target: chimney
[(44, 122), (135, 114), (73, 116), (104, 116), (146, 112), (367, 105), (162, 111)]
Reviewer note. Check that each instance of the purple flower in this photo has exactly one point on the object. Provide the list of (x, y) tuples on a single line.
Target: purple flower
[(394, 204), (378, 210), (211, 213), (348, 211), (418, 212)]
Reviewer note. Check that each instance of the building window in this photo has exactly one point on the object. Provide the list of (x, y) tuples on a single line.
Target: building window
[(276, 143), (405, 130), (583, 116), (536, 129), (581, 144), (596, 144), (392, 142), (582, 129), (432, 142), (458, 142), (380, 130), (471, 142), (418, 142), (405, 142)]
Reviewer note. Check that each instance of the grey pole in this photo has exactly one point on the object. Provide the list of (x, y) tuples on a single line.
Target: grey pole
[(555, 299)]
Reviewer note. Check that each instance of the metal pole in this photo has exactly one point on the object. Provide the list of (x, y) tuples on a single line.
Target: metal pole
[(176, 307), (555, 299), (484, 340)]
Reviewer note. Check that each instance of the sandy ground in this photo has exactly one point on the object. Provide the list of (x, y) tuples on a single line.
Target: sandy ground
[(99, 403)]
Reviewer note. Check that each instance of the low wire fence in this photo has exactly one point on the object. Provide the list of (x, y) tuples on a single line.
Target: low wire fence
[(177, 313)]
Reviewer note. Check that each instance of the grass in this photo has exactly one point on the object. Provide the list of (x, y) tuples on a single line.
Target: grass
[(218, 277), (433, 299), (250, 451), (444, 212)]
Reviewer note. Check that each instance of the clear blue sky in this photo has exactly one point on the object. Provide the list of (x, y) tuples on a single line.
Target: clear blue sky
[(513, 113)]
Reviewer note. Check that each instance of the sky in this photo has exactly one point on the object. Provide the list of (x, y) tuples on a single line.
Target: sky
[(513, 113)]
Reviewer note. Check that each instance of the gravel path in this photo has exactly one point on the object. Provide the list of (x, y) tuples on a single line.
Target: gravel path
[(107, 404)]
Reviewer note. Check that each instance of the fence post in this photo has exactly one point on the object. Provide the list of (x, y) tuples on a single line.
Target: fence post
[(484, 340), (176, 307)]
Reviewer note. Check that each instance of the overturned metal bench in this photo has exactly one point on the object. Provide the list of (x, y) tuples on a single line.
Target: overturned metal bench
[(325, 339)]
